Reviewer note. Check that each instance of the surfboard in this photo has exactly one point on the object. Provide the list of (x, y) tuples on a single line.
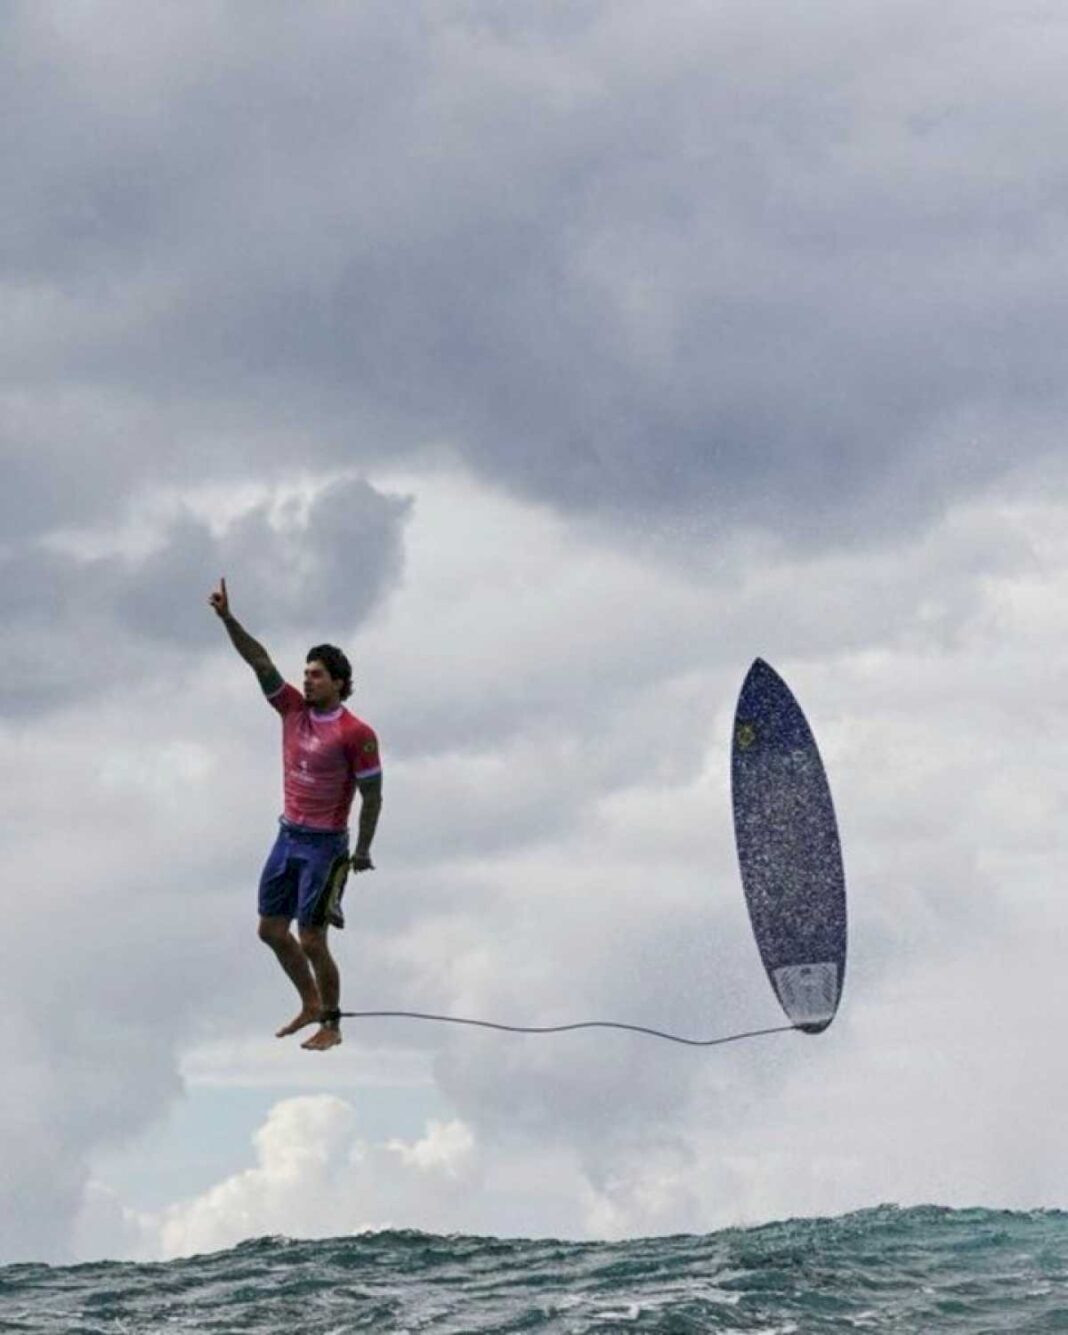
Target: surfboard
[(789, 853)]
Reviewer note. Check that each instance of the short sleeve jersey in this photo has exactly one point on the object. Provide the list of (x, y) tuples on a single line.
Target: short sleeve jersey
[(324, 757)]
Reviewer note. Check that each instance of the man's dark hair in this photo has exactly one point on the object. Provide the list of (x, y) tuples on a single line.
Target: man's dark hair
[(335, 663)]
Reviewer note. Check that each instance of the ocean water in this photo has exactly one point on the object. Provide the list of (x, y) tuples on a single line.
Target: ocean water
[(887, 1269)]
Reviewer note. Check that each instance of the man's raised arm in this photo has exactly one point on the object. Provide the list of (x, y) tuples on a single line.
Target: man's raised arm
[(254, 654)]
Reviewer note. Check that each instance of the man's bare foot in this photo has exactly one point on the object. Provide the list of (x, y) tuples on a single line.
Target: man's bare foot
[(309, 1015), (328, 1036)]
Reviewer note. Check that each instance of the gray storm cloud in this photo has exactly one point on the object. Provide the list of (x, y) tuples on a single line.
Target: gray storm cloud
[(783, 268), (332, 565), (309, 571)]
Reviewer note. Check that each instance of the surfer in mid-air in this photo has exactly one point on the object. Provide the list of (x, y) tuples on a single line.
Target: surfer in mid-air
[(327, 753)]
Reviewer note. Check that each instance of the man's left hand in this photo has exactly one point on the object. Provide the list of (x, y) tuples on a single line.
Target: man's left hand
[(362, 862)]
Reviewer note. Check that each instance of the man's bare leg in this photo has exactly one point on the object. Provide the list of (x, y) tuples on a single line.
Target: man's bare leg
[(275, 933), (313, 944)]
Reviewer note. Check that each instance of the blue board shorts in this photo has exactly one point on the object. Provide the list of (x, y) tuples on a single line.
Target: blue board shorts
[(304, 876)]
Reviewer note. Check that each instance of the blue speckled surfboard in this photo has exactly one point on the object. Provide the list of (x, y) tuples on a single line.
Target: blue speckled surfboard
[(788, 850)]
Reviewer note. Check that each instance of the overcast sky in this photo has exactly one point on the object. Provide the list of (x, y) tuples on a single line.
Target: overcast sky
[(555, 359)]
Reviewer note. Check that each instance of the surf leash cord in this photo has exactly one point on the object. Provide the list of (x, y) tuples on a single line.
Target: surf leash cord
[(567, 1028)]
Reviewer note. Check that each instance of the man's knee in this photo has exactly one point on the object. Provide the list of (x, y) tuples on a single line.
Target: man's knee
[(312, 940), (273, 931)]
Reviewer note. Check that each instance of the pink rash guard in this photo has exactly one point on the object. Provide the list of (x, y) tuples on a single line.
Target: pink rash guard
[(324, 756)]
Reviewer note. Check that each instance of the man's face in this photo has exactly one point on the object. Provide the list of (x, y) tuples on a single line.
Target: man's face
[(321, 691)]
